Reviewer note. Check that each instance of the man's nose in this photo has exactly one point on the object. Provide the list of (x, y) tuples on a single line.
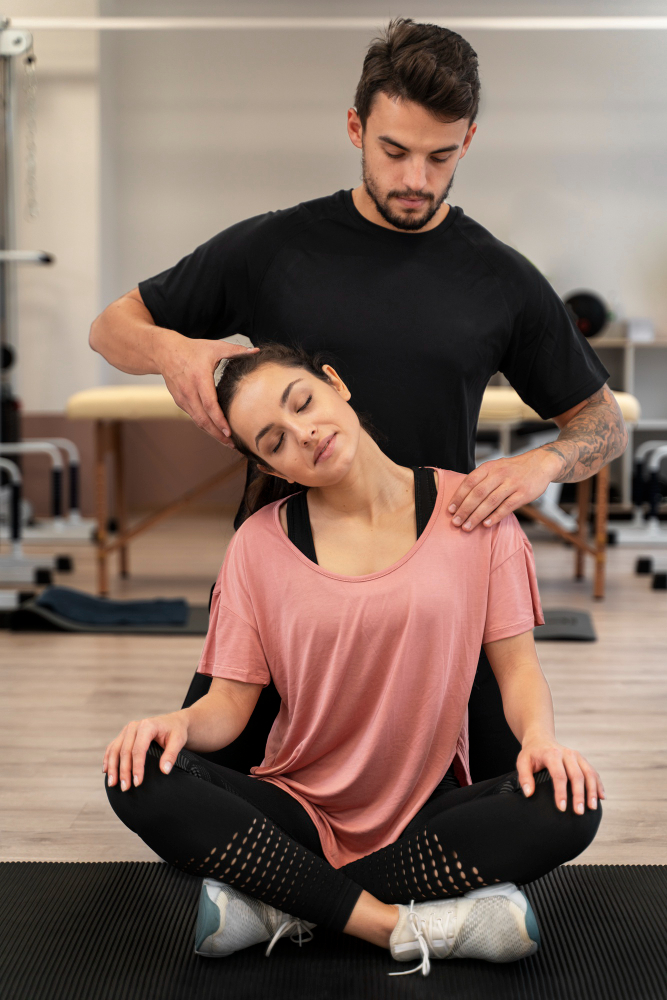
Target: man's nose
[(414, 177)]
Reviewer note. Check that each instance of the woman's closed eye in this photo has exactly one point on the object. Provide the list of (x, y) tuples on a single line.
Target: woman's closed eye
[(282, 435)]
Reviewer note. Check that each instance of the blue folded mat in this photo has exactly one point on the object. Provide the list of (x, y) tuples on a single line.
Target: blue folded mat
[(81, 607)]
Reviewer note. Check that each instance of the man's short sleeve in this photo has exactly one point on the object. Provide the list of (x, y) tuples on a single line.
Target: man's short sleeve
[(548, 360), (513, 603), (209, 293), (233, 647)]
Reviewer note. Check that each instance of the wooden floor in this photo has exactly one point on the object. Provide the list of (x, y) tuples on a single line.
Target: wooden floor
[(64, 697)]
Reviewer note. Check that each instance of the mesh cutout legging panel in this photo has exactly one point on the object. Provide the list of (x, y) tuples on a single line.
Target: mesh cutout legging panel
[(212, 822)]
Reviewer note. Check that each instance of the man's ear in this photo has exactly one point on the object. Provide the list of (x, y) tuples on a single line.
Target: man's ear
[(468, 139), (354, 127), (271, 472)]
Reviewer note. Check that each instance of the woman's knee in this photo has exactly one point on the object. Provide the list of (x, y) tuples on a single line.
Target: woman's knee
[(149, 798), (575, 832)]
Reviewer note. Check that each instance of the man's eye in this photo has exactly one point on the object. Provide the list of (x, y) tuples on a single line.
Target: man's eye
[(394, 156), (442, 160), (304, 405)]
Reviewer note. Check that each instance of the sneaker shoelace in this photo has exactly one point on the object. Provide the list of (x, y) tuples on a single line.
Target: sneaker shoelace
[(425, 931), (296, 928)]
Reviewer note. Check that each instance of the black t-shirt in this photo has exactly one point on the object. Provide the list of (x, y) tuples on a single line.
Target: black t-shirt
[(415, 323)]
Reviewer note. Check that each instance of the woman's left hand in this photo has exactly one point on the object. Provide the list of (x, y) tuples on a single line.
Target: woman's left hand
[(562, 763)]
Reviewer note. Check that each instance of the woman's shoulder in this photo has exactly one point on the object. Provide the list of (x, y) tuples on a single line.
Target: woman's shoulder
[(448, 480), (262, 521)]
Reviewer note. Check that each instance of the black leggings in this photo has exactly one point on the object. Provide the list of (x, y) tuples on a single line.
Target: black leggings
[(212, 822)]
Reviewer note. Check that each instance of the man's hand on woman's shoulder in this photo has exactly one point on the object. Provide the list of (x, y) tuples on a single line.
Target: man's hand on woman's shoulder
[(495, 489)]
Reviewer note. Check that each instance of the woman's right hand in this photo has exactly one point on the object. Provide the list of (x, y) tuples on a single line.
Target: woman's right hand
[(128, 750)]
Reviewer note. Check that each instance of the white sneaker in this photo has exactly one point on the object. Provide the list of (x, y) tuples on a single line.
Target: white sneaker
[(495, 923), (228, 920)]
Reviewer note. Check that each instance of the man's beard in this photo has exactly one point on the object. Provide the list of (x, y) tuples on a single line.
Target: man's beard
[(408, 223)]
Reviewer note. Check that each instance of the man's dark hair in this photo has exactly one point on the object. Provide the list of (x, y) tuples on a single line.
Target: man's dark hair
[(423, 63)]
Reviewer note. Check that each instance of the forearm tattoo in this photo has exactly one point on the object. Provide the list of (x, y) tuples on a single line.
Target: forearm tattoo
[(591, 439)]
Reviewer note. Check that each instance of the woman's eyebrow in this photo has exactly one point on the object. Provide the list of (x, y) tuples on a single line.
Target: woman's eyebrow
[(283, 400)]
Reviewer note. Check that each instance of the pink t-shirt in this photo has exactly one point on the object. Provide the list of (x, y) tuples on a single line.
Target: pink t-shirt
[(374, 672)]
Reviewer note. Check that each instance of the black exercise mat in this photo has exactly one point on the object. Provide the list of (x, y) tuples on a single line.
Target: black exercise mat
[(31, 617), (125, 931), (565, 624)]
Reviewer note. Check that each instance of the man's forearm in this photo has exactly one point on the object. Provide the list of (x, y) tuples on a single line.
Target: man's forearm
[(127, 337), (591, 439)]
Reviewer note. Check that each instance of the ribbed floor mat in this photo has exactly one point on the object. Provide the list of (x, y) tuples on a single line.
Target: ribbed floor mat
[(125, 931)]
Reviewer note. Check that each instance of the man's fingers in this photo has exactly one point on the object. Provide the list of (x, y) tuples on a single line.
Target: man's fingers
[(470, 481), (509, 504), (481, 501), (210, 405), (495, 501), (193, 406)]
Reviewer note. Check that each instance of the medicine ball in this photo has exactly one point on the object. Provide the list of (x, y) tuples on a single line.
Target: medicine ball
[(588, 312)]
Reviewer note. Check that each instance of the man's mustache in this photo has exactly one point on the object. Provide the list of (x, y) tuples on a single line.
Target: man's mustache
[(411, 194)]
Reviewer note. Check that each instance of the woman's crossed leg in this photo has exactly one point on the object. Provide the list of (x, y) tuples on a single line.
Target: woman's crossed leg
[(212, 822)]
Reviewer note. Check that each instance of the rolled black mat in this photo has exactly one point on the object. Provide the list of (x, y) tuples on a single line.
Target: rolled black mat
[(125, 931)]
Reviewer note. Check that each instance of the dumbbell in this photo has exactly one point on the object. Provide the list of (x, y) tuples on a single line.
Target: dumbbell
[(645, 566)]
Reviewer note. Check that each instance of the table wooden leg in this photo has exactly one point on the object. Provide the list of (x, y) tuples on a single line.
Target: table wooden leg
[(601, 514), (101, 506), (583, 501), (120, 500)]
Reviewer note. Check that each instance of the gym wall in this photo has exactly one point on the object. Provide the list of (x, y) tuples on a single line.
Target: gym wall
[(150, 142)]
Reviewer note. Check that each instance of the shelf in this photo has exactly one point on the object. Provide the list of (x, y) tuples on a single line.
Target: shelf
[(651, 424), (622, 342)]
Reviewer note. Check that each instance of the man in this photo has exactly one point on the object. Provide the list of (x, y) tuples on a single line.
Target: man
[(418, 304)]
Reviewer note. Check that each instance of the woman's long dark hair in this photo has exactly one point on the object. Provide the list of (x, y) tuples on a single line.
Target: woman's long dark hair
[(263, 488)]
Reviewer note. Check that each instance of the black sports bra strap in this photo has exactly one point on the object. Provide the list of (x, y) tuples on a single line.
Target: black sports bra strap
[(426, 493), (300, 532), (298, 524)]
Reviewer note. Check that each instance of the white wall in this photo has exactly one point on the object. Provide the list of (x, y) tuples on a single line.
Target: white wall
[(55, 304), (199, 130)]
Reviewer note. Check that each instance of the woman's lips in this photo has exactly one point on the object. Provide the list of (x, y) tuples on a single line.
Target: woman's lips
[(326, 451)]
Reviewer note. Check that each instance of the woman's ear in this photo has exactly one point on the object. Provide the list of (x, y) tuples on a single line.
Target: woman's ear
[(337, 382), (271, 472)]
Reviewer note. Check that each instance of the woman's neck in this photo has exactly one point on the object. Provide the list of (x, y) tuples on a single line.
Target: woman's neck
[(373, 487)]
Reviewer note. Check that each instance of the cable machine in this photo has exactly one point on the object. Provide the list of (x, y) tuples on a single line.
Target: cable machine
[(16, 567)]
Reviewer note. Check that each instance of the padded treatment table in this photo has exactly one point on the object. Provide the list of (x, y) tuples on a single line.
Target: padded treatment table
[(503, 410), (110, 406)]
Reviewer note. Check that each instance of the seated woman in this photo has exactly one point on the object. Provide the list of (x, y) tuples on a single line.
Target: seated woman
[(362, 816)]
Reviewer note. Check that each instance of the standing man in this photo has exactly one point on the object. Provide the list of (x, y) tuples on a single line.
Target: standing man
[(414, 299)]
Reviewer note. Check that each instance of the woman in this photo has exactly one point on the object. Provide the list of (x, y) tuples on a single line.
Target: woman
[(362, 816)]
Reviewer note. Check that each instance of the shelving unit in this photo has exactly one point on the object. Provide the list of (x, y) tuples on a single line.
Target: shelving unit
[(641, 369)]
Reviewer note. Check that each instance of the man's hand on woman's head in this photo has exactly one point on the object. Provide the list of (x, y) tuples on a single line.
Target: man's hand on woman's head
[(187, 367), (563, 764), (495, 489)]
